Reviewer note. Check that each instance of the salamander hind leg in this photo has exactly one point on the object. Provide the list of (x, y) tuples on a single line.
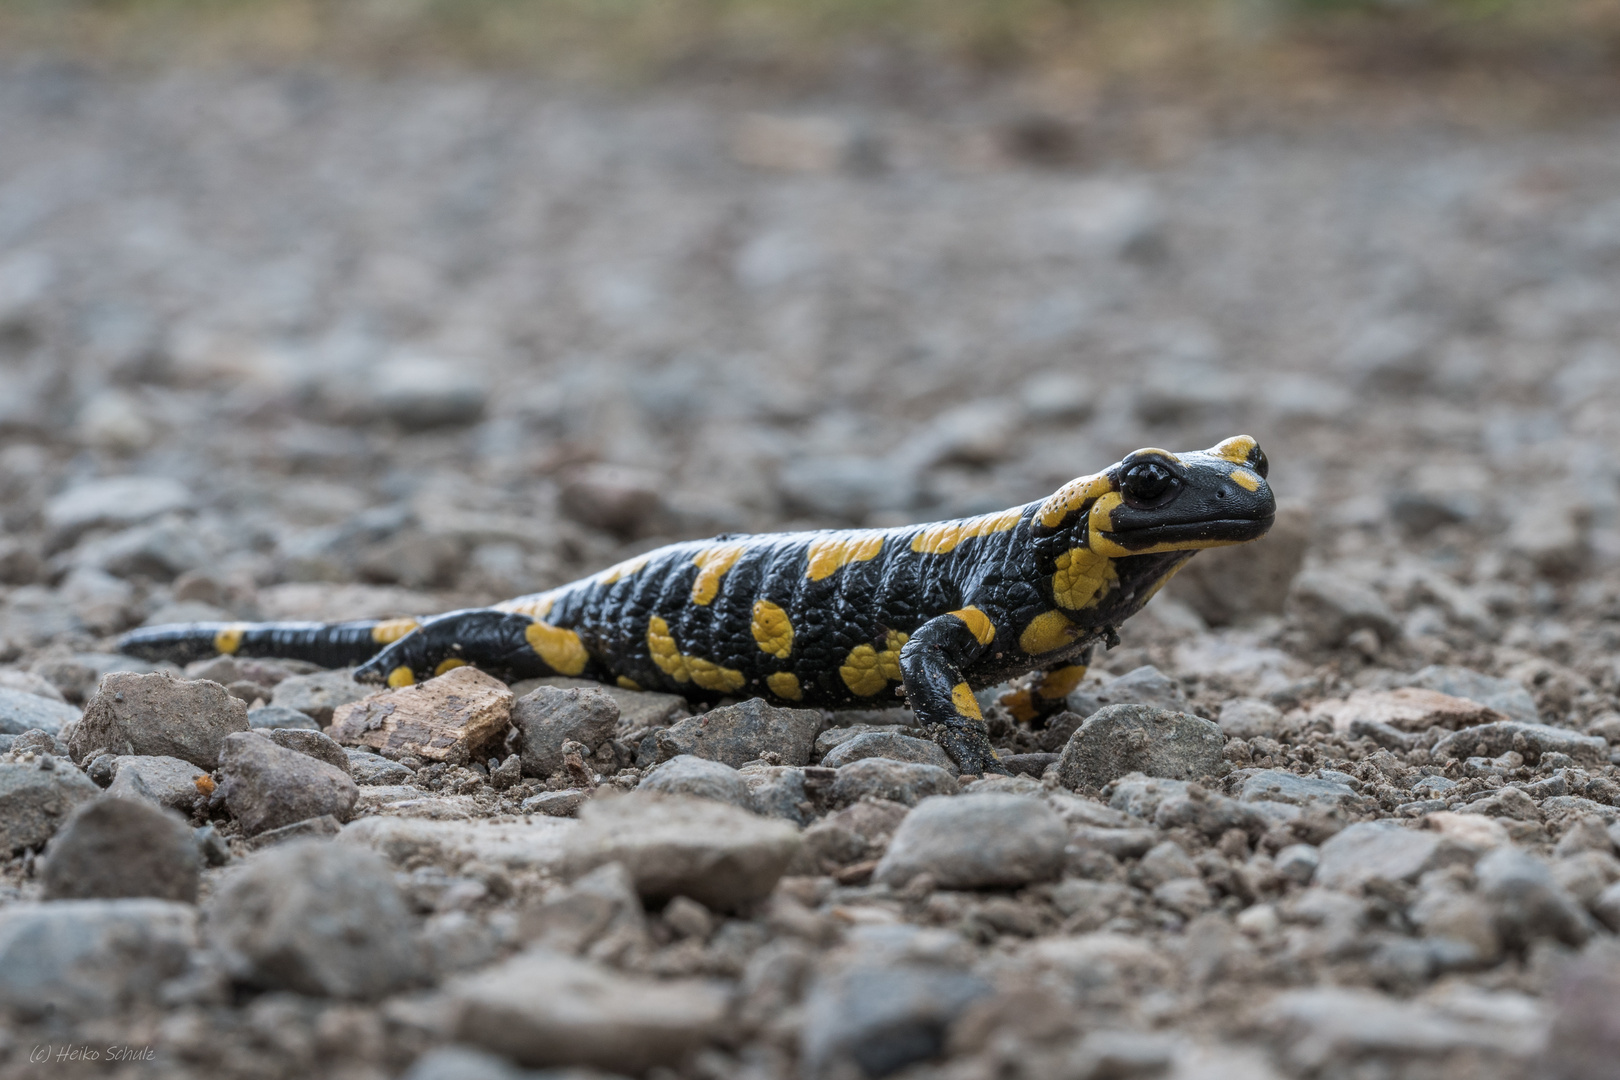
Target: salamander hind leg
[(931, 665), (1044, 694), (508, 646)]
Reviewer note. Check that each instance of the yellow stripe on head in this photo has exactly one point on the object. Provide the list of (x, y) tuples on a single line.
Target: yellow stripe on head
[(1071, 497), (1236, 449), (1245, 479)]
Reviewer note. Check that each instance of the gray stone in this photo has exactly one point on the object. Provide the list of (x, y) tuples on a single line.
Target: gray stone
[(37, 742), (463, 1063), (29, 682), (316, 744), (1228, 585), (1209, 813), (1298, 862), (1324, 1025), (1250, 718), (675, 845), (166, 781), (700, 777), (1140, 796), (738, 734), (898, 781), (1381, 850), (1122, 739), (1507, 696), (325, 827), (873, 1020), (1146, 685), (21, 711), (975, 841), (1532, 740), (549, 716), (86, 958), (545, 1008), (1120, 843), (602, 906), (111, 847), (318, 694), (853, 834), (1528, 900), (368, 768), (279, 716), (1584, 1040), (36, 797), (160, 716), (1607, 907), (564, 803), (637, 708), (113, 501), (78, 677), (1330, 608), (268, 786), (889, 745), (836, 735), (321, 919), (1280, 785), (778, 791)]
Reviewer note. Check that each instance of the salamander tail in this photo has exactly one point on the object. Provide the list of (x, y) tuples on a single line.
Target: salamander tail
[(341, 644)]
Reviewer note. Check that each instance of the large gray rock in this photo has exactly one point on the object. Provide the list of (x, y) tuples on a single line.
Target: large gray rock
[(549, 716), (268, 786), (1330, 608), (36, 797), (21, 711), (873, 1020), (974, 841), (315, 918), (898, 781), (113, 847), (166, 781), (317, 695), (1507, 696), (891, 745), (1528, 900), (545, 1008), (1532, 740), (688, 775), (158, 715), (675, 845), (85, 958), (1123, 739), (738, 734), (1382, 850)]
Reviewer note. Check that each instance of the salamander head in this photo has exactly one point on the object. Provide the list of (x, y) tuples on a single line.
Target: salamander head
[(1155, 501)]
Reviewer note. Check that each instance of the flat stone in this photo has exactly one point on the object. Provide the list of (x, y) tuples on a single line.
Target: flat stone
[(29, 682), (454, 718), (1210, 814), (166, 781), (897, 781), (1120, 843), (523, 844), (1146, 685), (319, 694), (316, 744), (1122, 739), (1406, 709), (977, 841), (111, 847), (268, 786), (1507, 696), (1250, 718), (835, 735), (325, 827), (549, 716), (36, 797), (545, 1008), (1280, 785), (87, 958), (368, 768), (699, 777), (158, 715), (1333, 1024), (891, 745), (560, 804), (1532, 740), (637, 708), (22, 711), (875, 1019), (1140, 796), (674, 845), (1379, 850), (321, 919), (280, 716), (738, 734)]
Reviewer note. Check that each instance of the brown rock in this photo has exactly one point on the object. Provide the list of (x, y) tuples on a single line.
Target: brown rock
[(1407, 709), (452, 718)]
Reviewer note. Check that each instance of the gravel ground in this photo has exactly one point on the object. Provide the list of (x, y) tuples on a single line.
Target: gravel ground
[(316, 346)]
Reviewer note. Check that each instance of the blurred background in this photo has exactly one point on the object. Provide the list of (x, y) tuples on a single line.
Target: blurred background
[(344, 307)]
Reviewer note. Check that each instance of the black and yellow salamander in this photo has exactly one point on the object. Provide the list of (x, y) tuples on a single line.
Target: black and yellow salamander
[(832, 619)]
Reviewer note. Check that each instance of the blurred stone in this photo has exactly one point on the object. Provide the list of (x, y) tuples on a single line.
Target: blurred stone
[(875, 1019), (315, 744), (846, 487), (463, 1063), (549, 716), (158, 715), (1330, 609), (1328, 1024), (1532, 740), (19, 565), (368, 768), (790, 143), (420, 392), (613, 498), (1382, 851), (36, 797), (112, 847), (1410, 709), (114, 501), (699, 777), (897, 781), (1280, 785), (976, 841), (1584, 1041), (317, 695), (858, 832), (1507, 696), (1121, 739), (894, 746), (1230, 585), (1550, 532), (601, 906), (267, 786), (738, 734), (166, 781), (20, 712), (76, 959), (270, 717), (778, 791), (1528, 900), (454, 718), (1146, 685), (1250, 718)]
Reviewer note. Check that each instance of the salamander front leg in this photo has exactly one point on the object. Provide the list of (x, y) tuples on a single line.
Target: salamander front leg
[(1044, 694), (498, 642), (931, 667)]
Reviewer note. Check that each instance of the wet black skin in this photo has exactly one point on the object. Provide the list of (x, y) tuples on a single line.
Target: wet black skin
[(1169, 506)]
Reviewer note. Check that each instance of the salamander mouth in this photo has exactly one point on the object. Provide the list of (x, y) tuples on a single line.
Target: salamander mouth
[(1193, 534)]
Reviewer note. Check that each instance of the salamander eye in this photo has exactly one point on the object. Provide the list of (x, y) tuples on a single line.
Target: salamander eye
[(1259, 462), (1148, 484)]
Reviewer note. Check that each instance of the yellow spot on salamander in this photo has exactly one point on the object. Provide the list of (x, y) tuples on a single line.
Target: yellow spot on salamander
[(561, 649), (1101, 518), (785, 685), (1020, 704), (621, 570), (866, 670), (978, 623), (625, 682), (942, 538), (535, 607), (964, 701), (1071, 497), (1245, 479), (772, 629), (229, 639), (1082, 578), (713, 563), (840, 549), (401, 676), (682, 668), (1048, 632), (449, 665), (391, 630), (711, 676), (1236, 449), (1061, 683)]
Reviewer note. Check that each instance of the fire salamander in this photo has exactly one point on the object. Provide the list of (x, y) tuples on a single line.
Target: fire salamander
[(835, 619)]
